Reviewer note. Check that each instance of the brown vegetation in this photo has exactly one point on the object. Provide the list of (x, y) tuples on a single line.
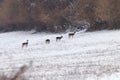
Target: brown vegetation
[(17, 76), (51, 15)]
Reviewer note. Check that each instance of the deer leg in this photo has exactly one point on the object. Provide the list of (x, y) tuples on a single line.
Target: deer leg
[(72, 36), (26, 46), (69, 36), (46, 42)]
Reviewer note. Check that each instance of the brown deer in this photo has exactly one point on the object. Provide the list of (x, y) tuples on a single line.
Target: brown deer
[(71, 34), (59, 38), (25, 44), (47, 41)]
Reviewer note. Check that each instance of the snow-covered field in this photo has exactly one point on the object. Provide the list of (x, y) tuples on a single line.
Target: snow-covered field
[(88, 56)]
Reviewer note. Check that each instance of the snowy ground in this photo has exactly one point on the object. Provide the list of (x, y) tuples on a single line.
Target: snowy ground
[(88, 56)]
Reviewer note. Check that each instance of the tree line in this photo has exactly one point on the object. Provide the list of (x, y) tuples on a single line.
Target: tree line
[(58, 15)]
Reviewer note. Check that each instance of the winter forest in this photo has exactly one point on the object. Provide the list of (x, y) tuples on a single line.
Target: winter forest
[(59, 15)]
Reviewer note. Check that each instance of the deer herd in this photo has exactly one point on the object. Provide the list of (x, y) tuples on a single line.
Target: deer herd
[(47, 41)]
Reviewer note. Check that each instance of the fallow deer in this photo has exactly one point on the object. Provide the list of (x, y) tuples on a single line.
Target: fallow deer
[(47, 41), (59, 38), (25, 44)]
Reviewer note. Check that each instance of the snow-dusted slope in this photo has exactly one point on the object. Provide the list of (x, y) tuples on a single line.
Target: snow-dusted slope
[(88, 56)]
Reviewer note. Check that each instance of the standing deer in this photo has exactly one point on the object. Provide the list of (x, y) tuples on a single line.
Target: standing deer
[(59, 38), (47, 41), (25, 44), (71, 34)]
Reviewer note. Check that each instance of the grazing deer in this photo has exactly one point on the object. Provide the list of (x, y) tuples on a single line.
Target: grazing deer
[(59, 38), (71, 34), (47, 41), (25, 44)]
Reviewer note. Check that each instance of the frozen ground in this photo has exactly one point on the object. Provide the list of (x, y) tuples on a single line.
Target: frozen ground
[(88, 56)]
